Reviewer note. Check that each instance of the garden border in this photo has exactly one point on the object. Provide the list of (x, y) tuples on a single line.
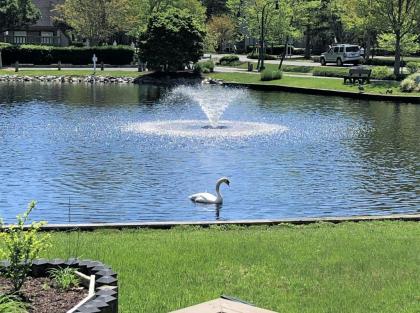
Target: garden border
[(328, 92), (105, 297), (266, 222)]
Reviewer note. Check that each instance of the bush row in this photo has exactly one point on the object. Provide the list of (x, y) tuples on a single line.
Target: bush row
[(266, 56), (378, 72), (45, 55), (229, 60), (276, 50)]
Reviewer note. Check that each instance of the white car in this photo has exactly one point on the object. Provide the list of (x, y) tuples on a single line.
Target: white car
[(341, 54)]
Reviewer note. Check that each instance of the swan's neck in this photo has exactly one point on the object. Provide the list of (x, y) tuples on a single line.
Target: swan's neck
[(219, 195)]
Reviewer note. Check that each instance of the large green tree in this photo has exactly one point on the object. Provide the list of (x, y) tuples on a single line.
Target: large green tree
[(173, 39), (96, 20), (17, 13), (144, 9), (399, 18)]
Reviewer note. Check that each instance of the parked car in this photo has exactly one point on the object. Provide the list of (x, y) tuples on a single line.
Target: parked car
[(340, 54)]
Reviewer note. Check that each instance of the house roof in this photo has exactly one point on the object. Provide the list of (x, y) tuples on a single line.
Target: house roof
[(222, 306)]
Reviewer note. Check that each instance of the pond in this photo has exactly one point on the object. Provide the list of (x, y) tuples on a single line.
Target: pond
[(135, 153)]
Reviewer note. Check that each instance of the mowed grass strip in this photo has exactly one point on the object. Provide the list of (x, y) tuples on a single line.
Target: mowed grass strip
[(329, 83), (350, 267), (66, 72)]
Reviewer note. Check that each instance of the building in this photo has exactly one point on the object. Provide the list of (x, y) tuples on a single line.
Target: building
[(43, 32)]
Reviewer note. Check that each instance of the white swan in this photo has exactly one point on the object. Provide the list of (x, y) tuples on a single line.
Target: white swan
[(205, 197)]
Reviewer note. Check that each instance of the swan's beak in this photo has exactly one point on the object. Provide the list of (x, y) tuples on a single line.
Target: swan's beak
[(228, 183)]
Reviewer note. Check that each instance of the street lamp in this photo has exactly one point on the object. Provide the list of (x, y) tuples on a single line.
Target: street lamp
[(262, 39)]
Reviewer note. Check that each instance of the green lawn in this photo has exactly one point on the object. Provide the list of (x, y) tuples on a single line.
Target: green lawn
[(311, 82), (364, 267), (79, 73)]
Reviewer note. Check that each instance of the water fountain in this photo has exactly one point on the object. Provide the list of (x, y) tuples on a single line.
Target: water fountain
[(213, 100)]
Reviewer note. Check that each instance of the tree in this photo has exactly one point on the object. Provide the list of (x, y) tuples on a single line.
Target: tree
[(215, 7), (359, 17), (408, 44), (173, 39), (144, 9), (96, 20), (399, 18), (17, 13), (222, 28)]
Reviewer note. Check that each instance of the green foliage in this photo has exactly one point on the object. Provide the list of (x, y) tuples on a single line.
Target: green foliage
[(297, 68), (255, 56), (383, 62), (173, 39), (268, 75), (330, 72), (95, 20), (22, 246), (65, 278), (204, 66), (411, 83), (413, 67), (17, 14), (229, 60), (382, 72), (4, 45), (408, 44), (44, 55), (9, 304)]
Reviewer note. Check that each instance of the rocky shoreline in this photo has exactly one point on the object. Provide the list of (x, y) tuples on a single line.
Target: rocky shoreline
[(68, 79)]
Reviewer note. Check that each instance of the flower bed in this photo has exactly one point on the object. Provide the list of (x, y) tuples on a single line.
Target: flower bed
[(100, 279)]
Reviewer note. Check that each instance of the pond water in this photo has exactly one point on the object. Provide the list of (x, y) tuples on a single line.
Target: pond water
[(128, 153)]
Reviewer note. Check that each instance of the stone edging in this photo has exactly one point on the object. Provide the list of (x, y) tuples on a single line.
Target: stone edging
[(105, 298), (91, 79), (327, 92)]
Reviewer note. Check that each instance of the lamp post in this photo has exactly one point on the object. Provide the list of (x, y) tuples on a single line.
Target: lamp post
[(262, 37)]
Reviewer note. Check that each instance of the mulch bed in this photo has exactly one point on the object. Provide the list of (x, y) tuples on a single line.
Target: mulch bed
[(43, 297)]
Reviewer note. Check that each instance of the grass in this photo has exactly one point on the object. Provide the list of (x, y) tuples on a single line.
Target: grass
[(78, 73), (311, 82), (351, 267)]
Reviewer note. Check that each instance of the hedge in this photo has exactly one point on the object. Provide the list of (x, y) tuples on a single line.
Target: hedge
[(45, 55), (255, 56), (383, 62), (276, 50), (206, 66), (229, 60)]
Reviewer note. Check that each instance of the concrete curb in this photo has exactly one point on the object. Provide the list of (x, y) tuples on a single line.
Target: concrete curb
[(328, 92), (267, 222)]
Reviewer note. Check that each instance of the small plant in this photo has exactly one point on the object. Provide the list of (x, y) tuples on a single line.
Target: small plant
[(268, 75), (65, 278), (9, 304), (22, 244), (413, 67), (204, 67)]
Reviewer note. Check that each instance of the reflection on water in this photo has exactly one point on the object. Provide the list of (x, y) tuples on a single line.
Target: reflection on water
[(65, 143)]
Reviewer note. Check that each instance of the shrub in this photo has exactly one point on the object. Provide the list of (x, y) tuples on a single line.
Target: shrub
[(266, 56), (65, 278), (229, 60), (413, 67), (21, 247), (383, 62), (382, 72), (330, 72), (204, 66), (268, 75), (9, 304), (408, 85), (297, 68), (45, 55), (4, 45)]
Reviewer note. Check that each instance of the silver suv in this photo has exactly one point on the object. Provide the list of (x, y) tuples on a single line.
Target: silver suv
[(341, 54)]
